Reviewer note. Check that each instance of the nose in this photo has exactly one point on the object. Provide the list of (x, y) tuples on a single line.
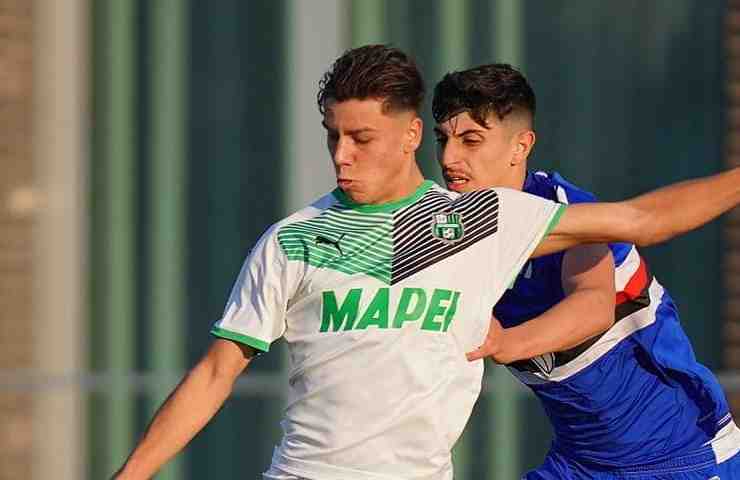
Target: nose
[(447, 155), (342, 153)]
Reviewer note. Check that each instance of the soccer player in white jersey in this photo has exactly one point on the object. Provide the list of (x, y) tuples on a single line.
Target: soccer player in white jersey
[(381, 286), (591, 331)]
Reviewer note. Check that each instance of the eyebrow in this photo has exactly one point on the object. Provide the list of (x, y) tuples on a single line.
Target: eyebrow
[(350, 132), (439, 131)]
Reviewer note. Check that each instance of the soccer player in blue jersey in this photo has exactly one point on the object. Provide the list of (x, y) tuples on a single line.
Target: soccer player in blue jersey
[(615, 373), (352, 284)]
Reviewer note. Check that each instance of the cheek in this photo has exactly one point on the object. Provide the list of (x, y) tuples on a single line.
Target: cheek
[(486, 166), (478, 163), (387, 159)]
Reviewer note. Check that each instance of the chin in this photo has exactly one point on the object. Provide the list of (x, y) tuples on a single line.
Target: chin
[(356, 196)]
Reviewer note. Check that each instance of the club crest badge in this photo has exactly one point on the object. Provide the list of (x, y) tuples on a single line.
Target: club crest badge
[(447, 226)]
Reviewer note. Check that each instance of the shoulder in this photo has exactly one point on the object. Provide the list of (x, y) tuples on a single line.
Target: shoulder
[(510, 196), (308, 212), (272, 236), (554, 186), (567, 192)]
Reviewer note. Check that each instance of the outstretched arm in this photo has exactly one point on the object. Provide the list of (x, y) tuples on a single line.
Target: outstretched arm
[(187, 410), (586, 311), (648, 219)]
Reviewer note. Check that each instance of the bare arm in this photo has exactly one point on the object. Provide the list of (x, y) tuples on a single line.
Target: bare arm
[(647, 219), (587, 310), (189, 407)]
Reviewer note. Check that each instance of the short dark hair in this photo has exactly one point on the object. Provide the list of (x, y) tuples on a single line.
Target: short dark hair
[(495, 88), (373, 71)]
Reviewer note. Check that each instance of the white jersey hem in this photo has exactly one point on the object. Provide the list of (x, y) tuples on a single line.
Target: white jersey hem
[(321, 471)]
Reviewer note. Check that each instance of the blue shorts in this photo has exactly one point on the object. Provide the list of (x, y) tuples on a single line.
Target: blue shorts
[(700, 466)]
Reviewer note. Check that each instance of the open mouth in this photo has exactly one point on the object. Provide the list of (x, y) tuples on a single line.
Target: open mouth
[(455, 182)]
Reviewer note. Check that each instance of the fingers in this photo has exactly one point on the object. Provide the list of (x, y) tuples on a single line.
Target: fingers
[(476, 354), (487, 349)]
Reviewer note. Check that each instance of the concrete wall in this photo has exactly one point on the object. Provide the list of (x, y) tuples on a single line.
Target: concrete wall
[(16, 224)]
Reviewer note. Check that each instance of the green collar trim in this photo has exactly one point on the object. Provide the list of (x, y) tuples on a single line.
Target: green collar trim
[(382, 207)]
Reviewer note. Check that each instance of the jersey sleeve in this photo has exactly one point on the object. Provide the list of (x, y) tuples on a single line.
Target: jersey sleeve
[(570, 194), (523, 221), (256, 310)]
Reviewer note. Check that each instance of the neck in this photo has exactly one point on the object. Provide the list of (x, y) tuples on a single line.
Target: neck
[(406, 184), (415, 178), (519, 179), (515, 179)]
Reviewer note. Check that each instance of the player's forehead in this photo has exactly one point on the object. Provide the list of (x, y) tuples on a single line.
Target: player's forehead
[(355, 115), (460, 124)]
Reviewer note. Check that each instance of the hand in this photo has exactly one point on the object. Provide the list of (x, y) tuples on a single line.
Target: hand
[(493, 344)]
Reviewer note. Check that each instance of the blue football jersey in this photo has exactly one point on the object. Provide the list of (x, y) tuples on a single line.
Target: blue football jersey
[(634, 394)]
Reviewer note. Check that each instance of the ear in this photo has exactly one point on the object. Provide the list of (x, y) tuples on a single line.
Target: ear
[(523, 144), (413, 135)]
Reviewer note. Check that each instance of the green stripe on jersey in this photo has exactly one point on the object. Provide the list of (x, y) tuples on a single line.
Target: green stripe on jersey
[(238, 337), (555, 220), (383, 207), (343, 239)]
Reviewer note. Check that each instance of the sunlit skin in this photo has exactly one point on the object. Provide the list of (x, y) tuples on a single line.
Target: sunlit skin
[(373, 151), (474, 156)]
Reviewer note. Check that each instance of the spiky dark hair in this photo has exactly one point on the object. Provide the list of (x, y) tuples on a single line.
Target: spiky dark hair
[(495, 88)]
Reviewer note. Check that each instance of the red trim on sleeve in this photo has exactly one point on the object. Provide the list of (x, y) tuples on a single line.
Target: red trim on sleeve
[(636, 284)]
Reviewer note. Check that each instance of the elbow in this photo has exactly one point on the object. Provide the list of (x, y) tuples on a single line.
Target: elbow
[(650, 228), (224, 378), (653, 235), (642, 228), (600, 308), (216, 376), (604, 322), (604, 312)]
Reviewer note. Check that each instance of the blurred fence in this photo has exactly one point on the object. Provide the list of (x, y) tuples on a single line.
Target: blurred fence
[(166, 135), (497, 440)]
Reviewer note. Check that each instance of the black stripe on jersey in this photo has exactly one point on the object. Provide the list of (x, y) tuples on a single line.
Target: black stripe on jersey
[(628, 308), (621, 311), (416, 248)]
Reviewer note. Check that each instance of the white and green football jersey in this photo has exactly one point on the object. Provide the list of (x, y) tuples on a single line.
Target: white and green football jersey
[(378, 305)]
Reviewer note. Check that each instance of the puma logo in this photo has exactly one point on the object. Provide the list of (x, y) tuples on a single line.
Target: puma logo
[(320, 239)]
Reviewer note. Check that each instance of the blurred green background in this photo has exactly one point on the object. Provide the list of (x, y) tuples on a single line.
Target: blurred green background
[(203, 130)]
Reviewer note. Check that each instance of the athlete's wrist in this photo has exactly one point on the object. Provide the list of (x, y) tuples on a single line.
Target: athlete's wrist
[(507, 347), (134, 469)]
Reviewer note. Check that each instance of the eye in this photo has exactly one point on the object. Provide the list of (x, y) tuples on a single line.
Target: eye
[(363, 140), (471, 141)]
